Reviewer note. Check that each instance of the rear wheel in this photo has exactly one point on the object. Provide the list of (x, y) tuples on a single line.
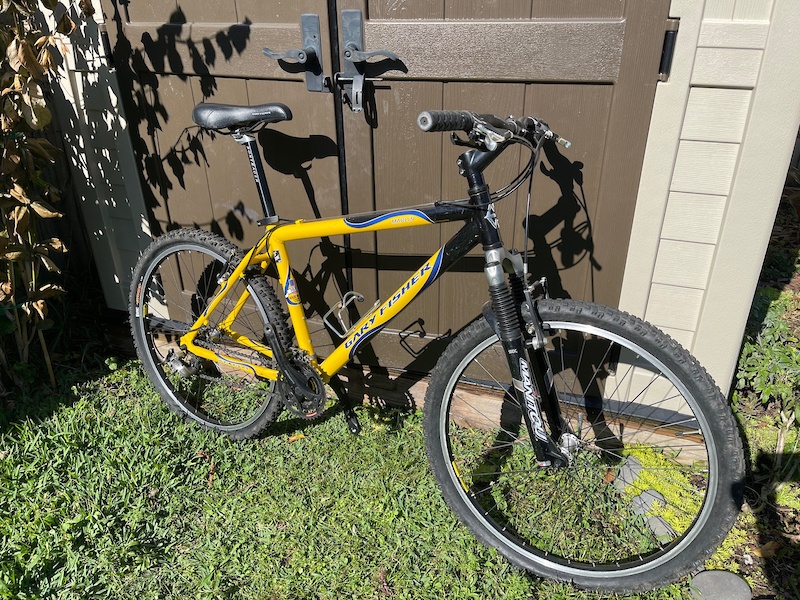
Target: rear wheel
[(173, 282), (656, 463)]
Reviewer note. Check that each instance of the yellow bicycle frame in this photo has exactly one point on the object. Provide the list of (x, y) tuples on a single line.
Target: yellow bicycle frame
[(272, 248)]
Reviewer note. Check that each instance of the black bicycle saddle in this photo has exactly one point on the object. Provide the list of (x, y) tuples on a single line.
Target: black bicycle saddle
[(228, 116)]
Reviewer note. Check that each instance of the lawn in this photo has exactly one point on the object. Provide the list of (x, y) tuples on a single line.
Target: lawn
[(105, 494)]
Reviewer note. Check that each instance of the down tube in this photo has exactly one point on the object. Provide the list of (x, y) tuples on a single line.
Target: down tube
[(461, 243)]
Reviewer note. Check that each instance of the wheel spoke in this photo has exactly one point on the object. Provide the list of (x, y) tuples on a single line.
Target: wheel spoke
[(641, 472), (179, 275)]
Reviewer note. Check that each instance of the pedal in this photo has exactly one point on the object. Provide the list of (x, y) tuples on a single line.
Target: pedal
[(350, 417), (353, 424)]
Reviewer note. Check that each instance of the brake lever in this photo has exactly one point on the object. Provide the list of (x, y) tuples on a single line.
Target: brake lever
[(456, 140)]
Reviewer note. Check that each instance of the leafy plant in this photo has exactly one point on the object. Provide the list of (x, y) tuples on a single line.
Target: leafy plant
[(769, 365), (27, 267)]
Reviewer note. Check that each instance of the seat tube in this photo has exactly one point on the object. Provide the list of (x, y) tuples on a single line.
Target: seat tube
[(249, 142)]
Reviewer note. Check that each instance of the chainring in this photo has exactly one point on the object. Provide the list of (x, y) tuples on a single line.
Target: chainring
[(298, 403)]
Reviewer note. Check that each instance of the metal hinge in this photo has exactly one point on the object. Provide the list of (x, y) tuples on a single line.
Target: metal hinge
[(668, 49), (106, 44)]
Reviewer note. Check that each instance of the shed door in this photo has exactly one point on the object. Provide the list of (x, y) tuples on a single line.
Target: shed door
[(588, 68), (170, 56)]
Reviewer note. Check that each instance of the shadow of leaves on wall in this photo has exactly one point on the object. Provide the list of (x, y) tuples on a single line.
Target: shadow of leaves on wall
[(172, 50)]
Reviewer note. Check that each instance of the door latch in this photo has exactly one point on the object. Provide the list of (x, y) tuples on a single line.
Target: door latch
[(354, 79), (308, 58)]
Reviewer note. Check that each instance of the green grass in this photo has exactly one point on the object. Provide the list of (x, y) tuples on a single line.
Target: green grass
[(104, 493)]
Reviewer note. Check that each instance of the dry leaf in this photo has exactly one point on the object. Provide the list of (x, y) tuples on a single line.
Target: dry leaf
[(86, 7), (6, 290), (48, 290), (293, 438), (66, 25), (49, 264), (21, 217), (34, 108), (44, 210), (40, 306), (768, 550), (20, 55)]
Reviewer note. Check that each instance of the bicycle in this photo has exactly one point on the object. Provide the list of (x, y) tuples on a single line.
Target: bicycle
[(580, 441)]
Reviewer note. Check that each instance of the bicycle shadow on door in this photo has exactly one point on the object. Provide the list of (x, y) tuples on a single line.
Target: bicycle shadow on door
[(561, 236)]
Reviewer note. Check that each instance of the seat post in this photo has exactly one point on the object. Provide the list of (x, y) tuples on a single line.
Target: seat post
[(249, 142)]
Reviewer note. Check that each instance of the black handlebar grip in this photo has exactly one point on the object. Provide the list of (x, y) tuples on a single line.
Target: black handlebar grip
[(445, 120)]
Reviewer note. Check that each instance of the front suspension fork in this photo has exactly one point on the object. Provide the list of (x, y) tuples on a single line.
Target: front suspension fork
[(532, 382)]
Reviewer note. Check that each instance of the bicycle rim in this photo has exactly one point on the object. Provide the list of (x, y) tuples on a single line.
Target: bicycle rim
[(643, 473), (176, 288)]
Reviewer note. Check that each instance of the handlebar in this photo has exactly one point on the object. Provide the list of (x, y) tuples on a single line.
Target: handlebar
[(492, 126)]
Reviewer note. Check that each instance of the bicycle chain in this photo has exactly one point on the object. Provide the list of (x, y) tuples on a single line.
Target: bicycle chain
[(257, 358), (295, 403)]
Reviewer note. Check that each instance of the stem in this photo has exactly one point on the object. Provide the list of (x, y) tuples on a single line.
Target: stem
[(47, 359)]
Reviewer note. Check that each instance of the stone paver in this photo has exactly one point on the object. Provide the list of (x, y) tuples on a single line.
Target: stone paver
[(720, 585)]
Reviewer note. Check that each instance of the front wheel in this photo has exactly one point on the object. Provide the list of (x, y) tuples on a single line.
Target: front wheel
[(656, 464)]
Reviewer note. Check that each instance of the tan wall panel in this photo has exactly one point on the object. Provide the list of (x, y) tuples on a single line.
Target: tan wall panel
[(719, 9), (716, 115), (752, 9), (662, 146), (682, 336), (685, 264), (704, 167), (733, 34), (726, 67), (693, 217), (674, 307), (765, 154)]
